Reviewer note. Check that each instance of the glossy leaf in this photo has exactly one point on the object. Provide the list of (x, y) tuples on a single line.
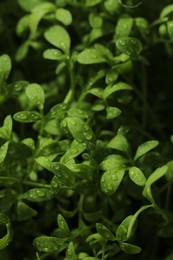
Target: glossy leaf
[(59, 37), (113, 161), (3, 151), (37, 195), (79, 129), (58, 111), (124, 27), (28, 6), (121, 233), (129, 45), (4, 241), (26, 116), (109, 90), (129, 248), (5, 67), (6, 129), (133, 220), (35, 94), (166, 11), (63, 224), (120, 143), (91, 3), (170, 29), (64, 16), (105, 232), (137, 176), (48, 244), (156, 175), (76, 148), (111, 180), (64, 177), (112, 112), (24, 212), (70, 252), (145, 148), (53, 54), (91, 56)]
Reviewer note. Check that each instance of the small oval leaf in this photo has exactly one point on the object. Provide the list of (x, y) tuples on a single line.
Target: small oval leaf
[(129, 45), (35, 94), (59, 37), (91, 56), (137, 176), (145, 148), (111, 180), (105, 232), (64, 16), (129, 248), (26, 116)]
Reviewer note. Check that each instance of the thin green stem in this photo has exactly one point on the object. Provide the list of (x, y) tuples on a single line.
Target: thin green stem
[(36, 184), (71, 92)]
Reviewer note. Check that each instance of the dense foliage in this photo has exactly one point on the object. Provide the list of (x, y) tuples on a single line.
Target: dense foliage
[(86, 131)]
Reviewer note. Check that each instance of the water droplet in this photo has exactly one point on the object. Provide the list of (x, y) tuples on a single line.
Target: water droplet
[(88, 135), (74, 151), (41, 193), (122, 43)]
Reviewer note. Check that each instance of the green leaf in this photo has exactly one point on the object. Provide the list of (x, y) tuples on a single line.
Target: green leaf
[(70, 252), (35, 94), (37, 195), (63, 224), (64, 177), (104, 232), (3, 151), (29, 5), (111, 180), (112, 112), (38, 12), (134, 219), (76, 148), (91, 3), (4, 241), (157, 174), (117, 87), (170, 29), (113, 161), (5, 67), (91, 56), (137, 176), (142, 25), (79, 129), (124, 27), (121, 233), (53, 54), (64, 16), (22, 51), (45, 162), (58, 111), (27, 116), (29, 142), (95, 20), (48, 244), (145, 148), (120, 143), (129, 45), (166, 11), (24, 212), (59, 37), (129, 248), (6, 129)]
